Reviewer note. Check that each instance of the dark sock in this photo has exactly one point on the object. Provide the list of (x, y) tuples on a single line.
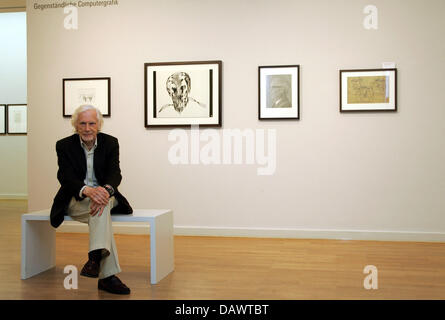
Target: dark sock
[(95, 255)]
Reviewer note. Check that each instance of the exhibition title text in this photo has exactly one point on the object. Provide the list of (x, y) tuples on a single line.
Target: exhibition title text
[(79, 4)]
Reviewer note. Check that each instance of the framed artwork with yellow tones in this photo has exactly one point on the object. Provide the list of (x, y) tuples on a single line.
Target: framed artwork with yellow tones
[(368, 90)]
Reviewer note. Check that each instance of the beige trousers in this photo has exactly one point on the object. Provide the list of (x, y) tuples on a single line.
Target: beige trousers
[(100, 233)]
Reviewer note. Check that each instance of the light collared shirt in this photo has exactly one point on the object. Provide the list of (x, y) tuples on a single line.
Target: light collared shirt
[(90, 178)]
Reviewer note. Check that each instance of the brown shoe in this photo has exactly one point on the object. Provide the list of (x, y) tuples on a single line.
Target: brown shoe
[(113, 285), (90, 269)]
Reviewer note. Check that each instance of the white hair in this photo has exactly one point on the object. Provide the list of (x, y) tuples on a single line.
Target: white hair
[(83, 108)]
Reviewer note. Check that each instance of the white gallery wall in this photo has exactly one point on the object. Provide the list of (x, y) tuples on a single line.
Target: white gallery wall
[(357, 175), (13, 148)]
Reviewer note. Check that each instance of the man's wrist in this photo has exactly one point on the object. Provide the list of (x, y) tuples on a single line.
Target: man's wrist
[(109, 189)]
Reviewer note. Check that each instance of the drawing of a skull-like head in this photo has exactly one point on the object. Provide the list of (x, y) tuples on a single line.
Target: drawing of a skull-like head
[(178, 88)]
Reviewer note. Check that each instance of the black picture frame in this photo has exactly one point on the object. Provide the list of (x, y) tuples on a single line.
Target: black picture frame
[(17, 119), (279, 92), (79, 91), (182, 94), (3, 118), (368, 90)]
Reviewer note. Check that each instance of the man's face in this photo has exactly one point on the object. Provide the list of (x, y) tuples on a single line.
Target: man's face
[(87, 126)]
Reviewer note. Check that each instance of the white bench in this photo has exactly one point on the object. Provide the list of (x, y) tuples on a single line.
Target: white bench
[(39, 241)]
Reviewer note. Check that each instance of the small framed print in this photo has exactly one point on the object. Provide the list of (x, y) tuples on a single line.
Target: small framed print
[(2, 119), (17, 115), (278, 92), (368, 90), (181, 94), (91, 91)]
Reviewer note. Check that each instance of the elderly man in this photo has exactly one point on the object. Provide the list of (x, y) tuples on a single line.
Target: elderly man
[(89, 175)]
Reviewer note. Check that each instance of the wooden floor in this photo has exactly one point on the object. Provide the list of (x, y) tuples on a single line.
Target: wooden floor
[(233, 268)]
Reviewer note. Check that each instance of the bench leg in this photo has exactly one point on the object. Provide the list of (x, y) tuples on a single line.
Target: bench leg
[(38, 247), (161, 247)]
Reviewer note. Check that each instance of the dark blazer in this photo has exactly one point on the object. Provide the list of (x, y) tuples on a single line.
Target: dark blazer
[(72, 171)]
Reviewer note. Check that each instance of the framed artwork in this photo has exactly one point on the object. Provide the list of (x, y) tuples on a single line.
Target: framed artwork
[(17, 115), (181, 94), (368, 90), (80, 91), (278, 92), (2, 119)]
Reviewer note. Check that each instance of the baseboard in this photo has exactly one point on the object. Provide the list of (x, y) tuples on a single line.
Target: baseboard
[(312, 234), (139, 228), (13, 196)]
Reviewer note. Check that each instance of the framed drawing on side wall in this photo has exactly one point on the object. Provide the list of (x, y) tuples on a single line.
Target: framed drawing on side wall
[(181, 94), (2, 119), (368, 90), (92, 91), (17, 119), (278, 92)]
